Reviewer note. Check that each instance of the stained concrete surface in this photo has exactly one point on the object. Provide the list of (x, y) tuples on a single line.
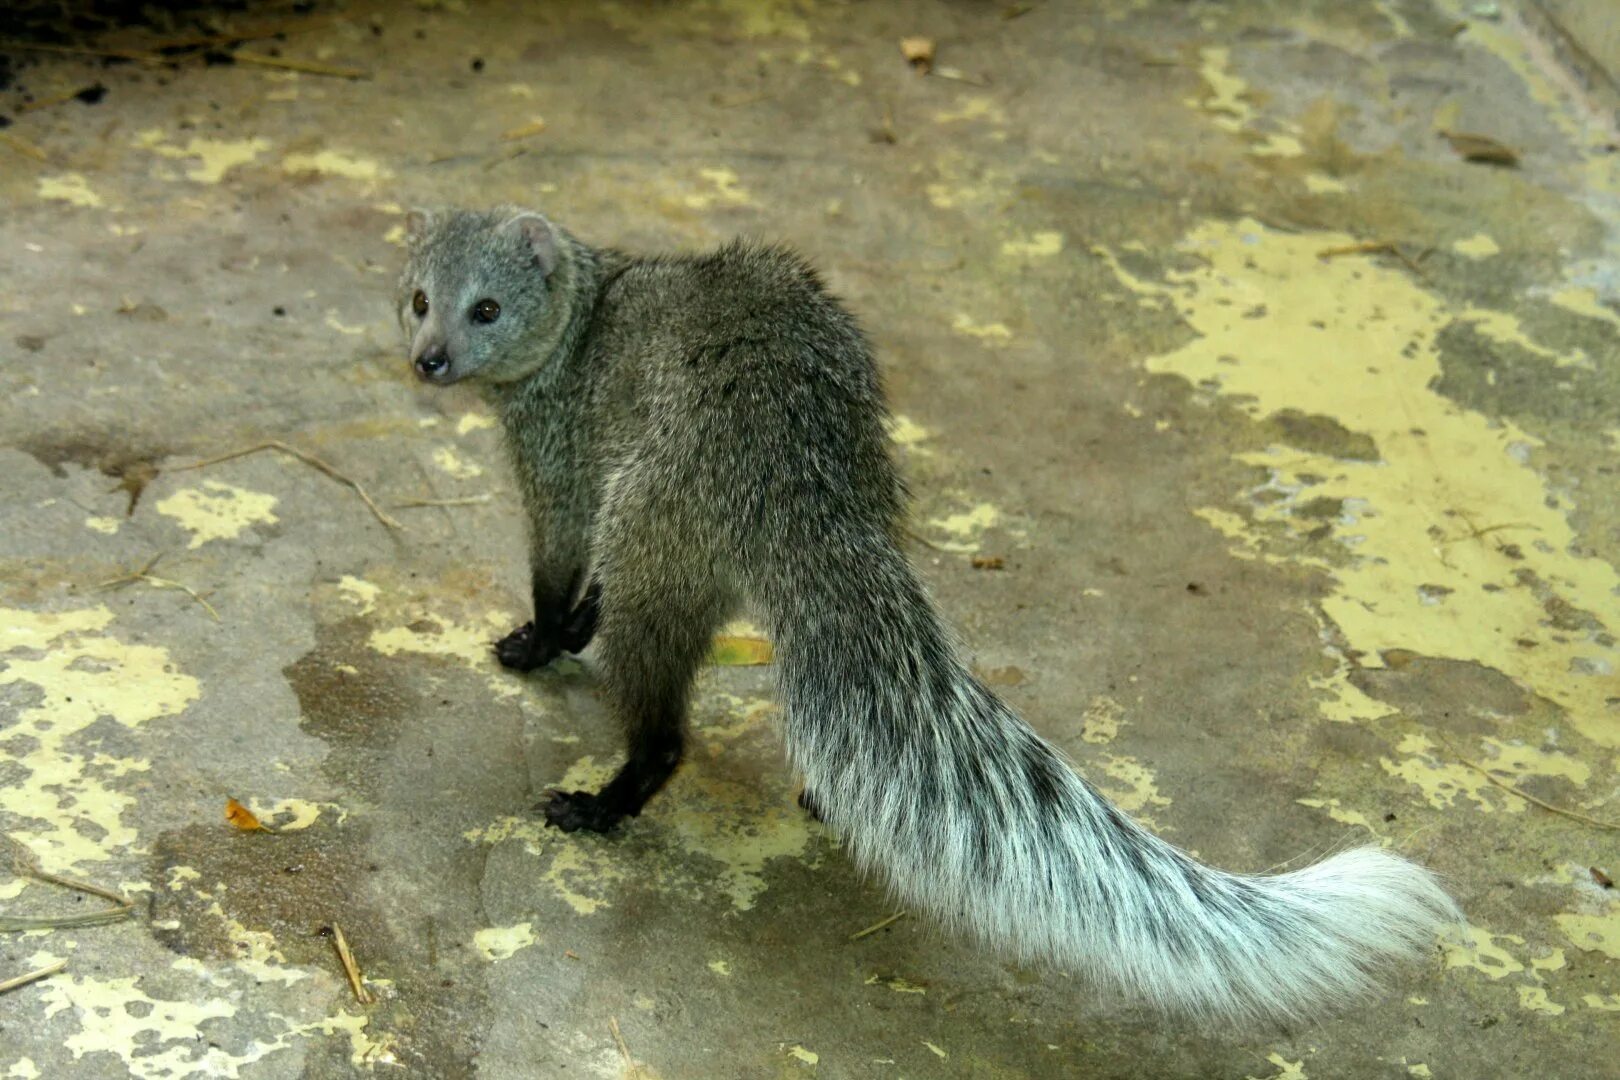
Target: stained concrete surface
[(1292, 529)]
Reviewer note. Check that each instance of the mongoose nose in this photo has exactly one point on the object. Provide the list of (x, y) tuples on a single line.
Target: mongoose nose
[(432, 364)]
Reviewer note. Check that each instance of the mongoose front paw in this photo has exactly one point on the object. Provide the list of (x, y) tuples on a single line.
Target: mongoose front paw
[(524, 649), (571, 811), (807, 803)]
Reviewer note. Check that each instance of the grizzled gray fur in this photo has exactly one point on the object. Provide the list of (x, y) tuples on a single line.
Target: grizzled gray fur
[(695, 432)]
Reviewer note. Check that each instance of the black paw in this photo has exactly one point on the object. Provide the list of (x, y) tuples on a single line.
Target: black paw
[(580, 626), (572, 811), (807, 803), (524, 649)]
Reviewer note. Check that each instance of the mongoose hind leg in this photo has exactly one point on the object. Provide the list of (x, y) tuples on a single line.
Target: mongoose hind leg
[(650, 649)]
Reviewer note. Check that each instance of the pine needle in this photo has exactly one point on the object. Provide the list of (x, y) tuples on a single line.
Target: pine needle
[(308, 459), (875, 927), (1574, 815), (32, 976), (469, 500), (23, 146), (25, 864), (145, 576), (350, 968), (308, 67)]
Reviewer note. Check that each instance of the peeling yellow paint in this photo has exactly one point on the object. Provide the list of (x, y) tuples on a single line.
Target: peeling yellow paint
[(1450, 502), (1585, 302), (1141, 791), (335, 163), (1229, 107), (720, 967), (1038, 245), (907, 433), (473, 421), (967, 527), (1504, 328), (360, 592), (1593, 933), (1322, 184), (1419, 1069), (106, 525), (23, 1069), (1339, 813), (1605, 1002), (1478, 246), (70, 188), (446, 458), (500, 942), (1442, 781), (936, 1051), (1100, 721), (809, 1057), (66, 810), (1481, 952), (726, 190), (215, 157), (432, 634), (1534, 999), (994, 333), (895, 983), (217, 511), (1286, 1070)]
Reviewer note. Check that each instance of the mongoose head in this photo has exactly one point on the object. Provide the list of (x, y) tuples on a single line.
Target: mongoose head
[(483, 294)]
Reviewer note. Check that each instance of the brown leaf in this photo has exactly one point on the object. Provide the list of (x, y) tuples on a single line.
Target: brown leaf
[(989, 562), (1601, 878), (243, 818), (919, 52), (1481, 148)]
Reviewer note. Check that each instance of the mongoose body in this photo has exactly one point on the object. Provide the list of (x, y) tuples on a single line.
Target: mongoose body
[(692, 433)]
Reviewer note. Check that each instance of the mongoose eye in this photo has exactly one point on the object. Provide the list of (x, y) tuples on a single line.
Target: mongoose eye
[(486, 311), (419, 303)]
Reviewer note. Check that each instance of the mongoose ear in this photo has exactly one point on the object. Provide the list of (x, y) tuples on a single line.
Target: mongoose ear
[(417, 224), (541, 238)]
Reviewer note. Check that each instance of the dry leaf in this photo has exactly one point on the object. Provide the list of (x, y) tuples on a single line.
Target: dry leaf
[(989, 562), (243, 818), (1481, 148), (919, 52), (1601, 878), (728, 651)]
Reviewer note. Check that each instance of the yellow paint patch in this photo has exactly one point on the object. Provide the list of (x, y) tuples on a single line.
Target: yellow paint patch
[(1478, 246), (936, 1051), (1481, 952), (809, 1057), (1101, 719), (446, 458), (360, 592), (1420, 1070), (66, 811), (23, 1069), (335, 163), (720, 967), (1323, 184), (1229, 107), (967, 527), (1534, 999), (434, 635), (474, 421), (895, 983), (906, 432), (1286, 1070), (1038, 245), (1593, 933), (990, 333), (215, 157), (1504, 328), (725, 189), (105, 525), (1585, 302), (1605, 1002), (217, 511), (1339, 813), (1442, 781), (728, 827), (1141, 790), (500, 942), (69, 188), (1450, 503), (303, 813)]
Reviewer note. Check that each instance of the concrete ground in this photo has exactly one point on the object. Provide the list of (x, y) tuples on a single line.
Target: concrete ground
[(1295, 434)]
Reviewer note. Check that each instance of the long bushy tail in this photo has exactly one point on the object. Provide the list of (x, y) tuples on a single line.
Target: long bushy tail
[(935, 783)]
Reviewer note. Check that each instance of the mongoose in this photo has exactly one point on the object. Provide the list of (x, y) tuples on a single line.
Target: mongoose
[(693, 432)]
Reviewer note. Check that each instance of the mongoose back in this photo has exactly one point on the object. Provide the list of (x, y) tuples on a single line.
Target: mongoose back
[(692, 433)]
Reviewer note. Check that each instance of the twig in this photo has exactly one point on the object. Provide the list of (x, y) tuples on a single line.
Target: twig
[(25, 864), (144, 574), (624, 1048), (23, 146), (350, 968), (1372, 247), (33, 976), (923, 540), (308, 67), (45, 103), (1547, 806), (875, 927), (80, 50), (308, 459), (470, 500)]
